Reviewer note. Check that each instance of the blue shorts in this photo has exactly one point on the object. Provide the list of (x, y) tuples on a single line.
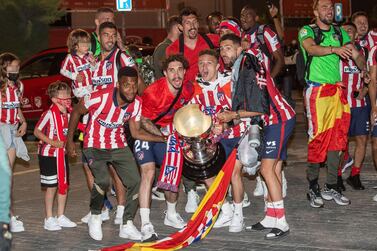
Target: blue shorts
[(229, 144), (146, 152), (276, 139), (374, 130), (359, 121)]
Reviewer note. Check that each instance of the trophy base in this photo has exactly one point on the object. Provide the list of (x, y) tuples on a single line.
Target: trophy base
[(199, 172)]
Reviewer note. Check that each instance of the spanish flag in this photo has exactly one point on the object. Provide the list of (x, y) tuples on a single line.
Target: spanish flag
[(328, 120), (200, 223)]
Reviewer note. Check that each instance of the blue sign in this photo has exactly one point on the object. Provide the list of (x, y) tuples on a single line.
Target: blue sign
[(338, 12), (124, 5)]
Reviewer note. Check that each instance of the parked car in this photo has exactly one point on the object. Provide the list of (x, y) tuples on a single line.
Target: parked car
[(41, 70)]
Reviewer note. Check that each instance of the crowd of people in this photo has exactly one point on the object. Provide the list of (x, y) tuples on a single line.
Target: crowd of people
[(127, 128)]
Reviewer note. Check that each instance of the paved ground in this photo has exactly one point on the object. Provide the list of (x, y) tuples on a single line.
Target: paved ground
[(330, 228)]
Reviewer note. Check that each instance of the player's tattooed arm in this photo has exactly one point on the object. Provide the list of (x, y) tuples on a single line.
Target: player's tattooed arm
[(148, 126)]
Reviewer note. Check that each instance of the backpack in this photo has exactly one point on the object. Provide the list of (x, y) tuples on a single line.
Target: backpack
[(204, 36), (302, 66)]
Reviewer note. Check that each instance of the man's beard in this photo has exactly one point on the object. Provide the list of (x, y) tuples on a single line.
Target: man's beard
[(326, 21), (124, 98)]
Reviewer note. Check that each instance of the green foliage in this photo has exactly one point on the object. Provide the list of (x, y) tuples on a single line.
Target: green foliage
[(24, 25)]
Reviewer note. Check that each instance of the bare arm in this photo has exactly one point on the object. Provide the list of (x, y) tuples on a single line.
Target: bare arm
[(139, 133), (148, 126), (140, 85), (22, 129), (279, 62), (317, 50), (78, 110), (40, 135), (274, 11), (227, 116)]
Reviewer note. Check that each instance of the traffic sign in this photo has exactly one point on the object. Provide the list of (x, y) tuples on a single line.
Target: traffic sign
[(124, 5)]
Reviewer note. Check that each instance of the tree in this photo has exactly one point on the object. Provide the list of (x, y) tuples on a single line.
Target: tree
[(24, 25)]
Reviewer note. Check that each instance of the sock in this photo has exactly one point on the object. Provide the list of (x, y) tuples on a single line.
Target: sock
[(144, 215), (120, 211), (171, 208), (238, 208), (281, 223), (355, 170), (269, 219)]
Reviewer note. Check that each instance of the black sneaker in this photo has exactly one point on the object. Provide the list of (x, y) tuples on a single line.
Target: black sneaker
[(354, 182), (314, 196), (341, 184)]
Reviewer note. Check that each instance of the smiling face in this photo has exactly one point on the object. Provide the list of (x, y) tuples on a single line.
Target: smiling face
[(362, 25), (107, 38), (174, 74), (208, 67), (325, 11), (229, 52), (127, 87), (248, 18), (190, 26)]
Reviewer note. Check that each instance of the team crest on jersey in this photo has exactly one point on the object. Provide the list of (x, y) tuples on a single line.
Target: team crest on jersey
[(140, 155), (109, 65), (127, 116), (182, 101), (363, 43), (221, 96), (336, 37), (65, 131), (108, 125)]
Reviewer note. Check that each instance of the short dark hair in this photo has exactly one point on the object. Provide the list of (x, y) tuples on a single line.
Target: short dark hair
[(214, 14), (187, 11), (173, 58), (350, 24), (358, 14), (173, 20), (209, 52), (105, 25), (104, 10), (127, 71), (251, 8), (232, 37)]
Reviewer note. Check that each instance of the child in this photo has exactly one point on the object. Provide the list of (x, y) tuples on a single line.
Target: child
[(79, 63), (12, 122), (51, 129)]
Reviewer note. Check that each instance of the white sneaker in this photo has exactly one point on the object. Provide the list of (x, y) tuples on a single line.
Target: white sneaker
[(95, 229), (223, 220), (148, 233), (375, 198), (192, 202), (119, 215), (284, 184), (85, 219), (157, 195), (129, 231), (174, 220), (236, 225), (16, 225), (63, 221), (258, 191), (51, 224), (105, 214), (246, 201)]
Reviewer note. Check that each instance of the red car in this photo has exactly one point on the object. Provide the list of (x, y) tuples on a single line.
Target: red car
[(36, 74), (41, 70)]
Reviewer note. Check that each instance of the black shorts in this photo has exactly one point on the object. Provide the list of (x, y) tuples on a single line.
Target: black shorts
[(48, 171)]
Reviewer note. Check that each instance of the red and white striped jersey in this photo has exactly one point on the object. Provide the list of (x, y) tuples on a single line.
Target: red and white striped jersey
[(105, 74), (271, 39), (372, 58), (214, 97), (369, 40), (47, 126), (10, 103), (106, 119), (280, 110), (351, 77), (73, 65)]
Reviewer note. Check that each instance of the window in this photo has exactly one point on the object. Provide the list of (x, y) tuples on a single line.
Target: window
[(43, 66)]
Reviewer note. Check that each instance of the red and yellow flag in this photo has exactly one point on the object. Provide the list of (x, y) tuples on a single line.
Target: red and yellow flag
[(200, 223), (328, 120)]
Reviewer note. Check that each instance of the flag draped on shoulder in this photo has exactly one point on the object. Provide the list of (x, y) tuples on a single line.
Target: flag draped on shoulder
[(200, 223)]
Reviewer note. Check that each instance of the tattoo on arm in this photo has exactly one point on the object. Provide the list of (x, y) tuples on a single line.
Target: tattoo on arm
[(148, 126)]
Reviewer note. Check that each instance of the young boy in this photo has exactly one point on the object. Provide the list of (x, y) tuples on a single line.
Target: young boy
[(79, 63), (51, 129)]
